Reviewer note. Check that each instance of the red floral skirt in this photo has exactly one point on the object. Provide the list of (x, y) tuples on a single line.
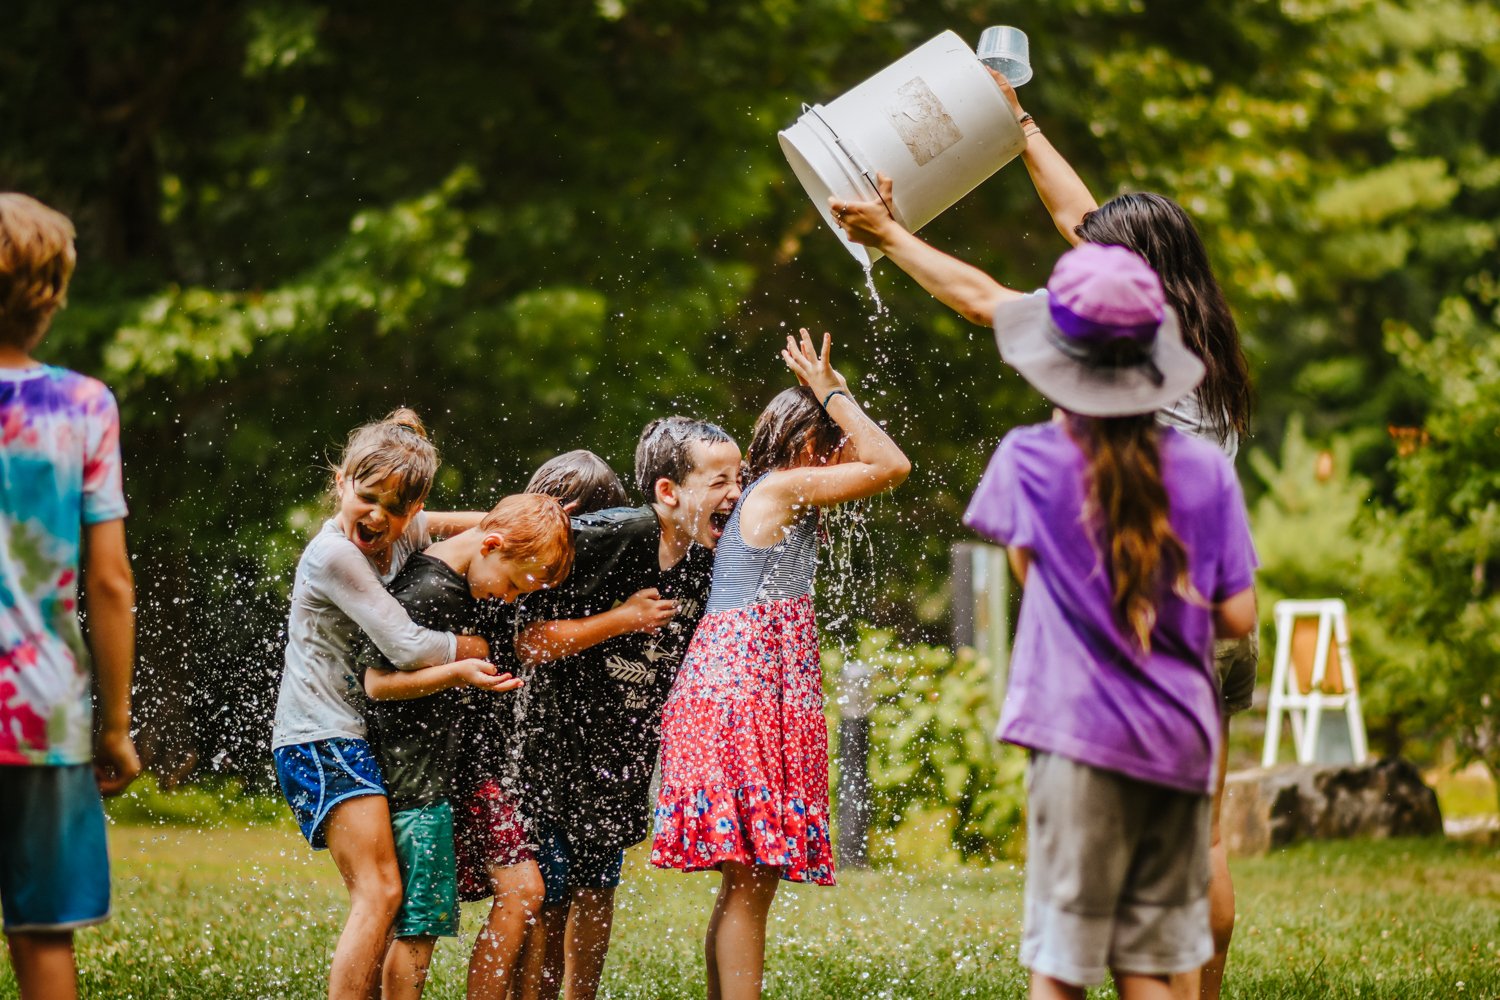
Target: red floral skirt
[(744, 747)]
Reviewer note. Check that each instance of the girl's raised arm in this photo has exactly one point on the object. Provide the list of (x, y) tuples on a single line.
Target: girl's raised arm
[(878, 463)]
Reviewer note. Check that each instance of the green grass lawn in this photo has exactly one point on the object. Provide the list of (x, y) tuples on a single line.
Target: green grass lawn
[(253, 913)]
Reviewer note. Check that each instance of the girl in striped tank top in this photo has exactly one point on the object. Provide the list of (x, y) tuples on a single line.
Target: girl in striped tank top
[(744, 753)]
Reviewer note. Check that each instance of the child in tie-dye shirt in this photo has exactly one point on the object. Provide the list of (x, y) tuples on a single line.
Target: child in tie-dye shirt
[(60, 498)]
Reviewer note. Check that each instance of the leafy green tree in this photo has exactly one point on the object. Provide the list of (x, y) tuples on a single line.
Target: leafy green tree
[(932, 748), (1446, 593), (540, 224)]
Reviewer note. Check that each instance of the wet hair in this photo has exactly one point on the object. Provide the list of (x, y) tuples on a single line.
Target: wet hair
[(665, 450), (785, 428), (1128, 502), (1158, 229), (396, 446), (582, 478), (536, 531), (37, 257)]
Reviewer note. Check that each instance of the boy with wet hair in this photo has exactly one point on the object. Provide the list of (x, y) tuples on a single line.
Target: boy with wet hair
[(524, 544), (63, 499), (619, 627), (582, 482)]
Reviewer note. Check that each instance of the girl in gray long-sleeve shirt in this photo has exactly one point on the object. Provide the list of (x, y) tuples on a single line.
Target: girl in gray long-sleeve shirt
[(324, 764)]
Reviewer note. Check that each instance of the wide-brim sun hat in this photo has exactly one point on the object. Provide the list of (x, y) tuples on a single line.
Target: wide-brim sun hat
[(1101, 341)]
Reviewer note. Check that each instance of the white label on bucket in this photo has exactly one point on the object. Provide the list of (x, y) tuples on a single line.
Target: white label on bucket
[(921, 121)]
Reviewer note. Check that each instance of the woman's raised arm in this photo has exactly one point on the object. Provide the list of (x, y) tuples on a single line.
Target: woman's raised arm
[(961, 287), (1058, 185)]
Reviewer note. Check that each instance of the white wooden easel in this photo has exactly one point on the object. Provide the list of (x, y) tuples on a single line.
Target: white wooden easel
[(1313, 671)]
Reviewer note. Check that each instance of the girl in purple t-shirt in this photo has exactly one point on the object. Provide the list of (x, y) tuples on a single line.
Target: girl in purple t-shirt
[(1134, 548)]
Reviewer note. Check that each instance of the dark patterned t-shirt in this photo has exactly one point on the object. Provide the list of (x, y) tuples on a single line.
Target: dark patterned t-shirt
[(593, 720)]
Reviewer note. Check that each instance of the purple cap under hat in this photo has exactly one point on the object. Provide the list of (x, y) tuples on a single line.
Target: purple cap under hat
[(1101, 341)]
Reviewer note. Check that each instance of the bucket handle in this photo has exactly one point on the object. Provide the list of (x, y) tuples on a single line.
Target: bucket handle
[(863, 168)]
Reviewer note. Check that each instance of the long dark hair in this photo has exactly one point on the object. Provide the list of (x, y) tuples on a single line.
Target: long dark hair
[(1128, 501), (788, 424), (1159, 230)]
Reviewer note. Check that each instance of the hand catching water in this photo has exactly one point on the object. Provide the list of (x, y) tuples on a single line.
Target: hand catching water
[(485, 675)]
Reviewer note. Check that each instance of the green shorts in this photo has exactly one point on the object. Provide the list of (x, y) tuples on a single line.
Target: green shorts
[(429, 873)]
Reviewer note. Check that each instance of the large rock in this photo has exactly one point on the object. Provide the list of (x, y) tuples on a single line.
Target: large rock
[(1276, 806)]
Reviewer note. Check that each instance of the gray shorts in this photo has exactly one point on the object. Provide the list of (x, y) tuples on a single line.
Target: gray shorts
[(1116, 875), (1236, 661)]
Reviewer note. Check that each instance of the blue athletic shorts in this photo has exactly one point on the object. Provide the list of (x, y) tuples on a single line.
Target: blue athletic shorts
[(54, 866), (567, 865), (317, 776)]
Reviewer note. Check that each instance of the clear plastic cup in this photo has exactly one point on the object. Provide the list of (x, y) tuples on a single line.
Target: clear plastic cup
[(1006, 50)]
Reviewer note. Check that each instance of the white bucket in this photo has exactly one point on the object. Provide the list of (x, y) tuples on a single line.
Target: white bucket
[(934, 122)]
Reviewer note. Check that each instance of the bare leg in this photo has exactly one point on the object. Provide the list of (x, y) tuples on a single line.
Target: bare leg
[(43, 964), (711, 943), (527, 982), (1220, 905), (1047, 988), (1135, 987), (359, 837), (1205, 983), (737, 931), (545, 958), (405, 972), (591, 915), (497, 950)]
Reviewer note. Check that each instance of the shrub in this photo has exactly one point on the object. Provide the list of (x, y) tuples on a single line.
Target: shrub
[(932, 749)]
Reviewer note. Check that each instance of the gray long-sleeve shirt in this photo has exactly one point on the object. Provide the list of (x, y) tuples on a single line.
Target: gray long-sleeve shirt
[(337, 595)]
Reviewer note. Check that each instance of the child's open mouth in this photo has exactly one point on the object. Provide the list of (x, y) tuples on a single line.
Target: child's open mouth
[(366, 534), (718, 521)]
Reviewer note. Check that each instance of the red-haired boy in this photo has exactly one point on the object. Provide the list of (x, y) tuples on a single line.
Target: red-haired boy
[(422, 733)]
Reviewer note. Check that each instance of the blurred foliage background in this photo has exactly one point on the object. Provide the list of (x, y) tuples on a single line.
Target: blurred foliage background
[(541, 224)]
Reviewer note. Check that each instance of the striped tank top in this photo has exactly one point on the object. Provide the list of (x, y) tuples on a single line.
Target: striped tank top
[(745, 575)]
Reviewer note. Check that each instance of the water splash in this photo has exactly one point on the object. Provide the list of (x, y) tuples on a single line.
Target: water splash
[(848, 571), (880, 309)]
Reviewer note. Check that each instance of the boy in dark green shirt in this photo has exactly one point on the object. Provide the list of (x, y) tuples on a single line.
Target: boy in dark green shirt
[(524, 544)]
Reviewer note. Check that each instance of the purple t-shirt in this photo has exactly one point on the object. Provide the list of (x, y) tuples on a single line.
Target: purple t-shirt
[(1080, 686)]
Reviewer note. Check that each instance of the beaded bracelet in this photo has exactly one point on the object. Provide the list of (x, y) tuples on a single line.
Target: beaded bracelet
[(836, 392)]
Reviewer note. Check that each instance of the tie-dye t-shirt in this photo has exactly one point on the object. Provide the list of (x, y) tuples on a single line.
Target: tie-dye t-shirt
[(59, 470)]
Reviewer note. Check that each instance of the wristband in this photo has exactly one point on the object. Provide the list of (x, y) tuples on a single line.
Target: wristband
[(836, 392), (1025, 119)]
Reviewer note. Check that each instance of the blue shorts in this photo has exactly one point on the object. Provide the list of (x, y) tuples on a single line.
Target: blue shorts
[(567, 865), (54, 866), (317, 776)]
